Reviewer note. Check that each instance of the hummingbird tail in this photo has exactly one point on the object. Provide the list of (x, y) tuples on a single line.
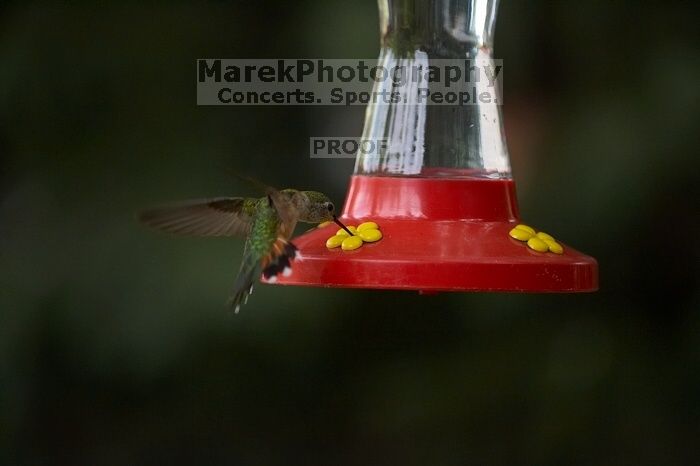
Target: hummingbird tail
[(282, 263), (270, 267)]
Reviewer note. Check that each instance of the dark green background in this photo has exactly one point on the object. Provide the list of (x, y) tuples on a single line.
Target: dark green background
[(116, 347)]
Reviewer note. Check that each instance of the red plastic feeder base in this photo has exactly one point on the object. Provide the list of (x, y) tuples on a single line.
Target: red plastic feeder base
[(439, 235)]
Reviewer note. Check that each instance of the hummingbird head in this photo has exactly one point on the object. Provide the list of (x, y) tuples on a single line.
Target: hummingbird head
[(314, 207)]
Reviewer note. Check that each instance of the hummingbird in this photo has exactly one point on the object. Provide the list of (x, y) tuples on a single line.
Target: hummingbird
[(266, 223)]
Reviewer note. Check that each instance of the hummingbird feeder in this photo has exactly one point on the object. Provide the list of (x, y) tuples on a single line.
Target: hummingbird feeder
[(441, 191)]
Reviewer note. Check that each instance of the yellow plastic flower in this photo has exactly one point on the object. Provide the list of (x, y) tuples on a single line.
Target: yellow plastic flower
[(537, 241), (367, 232)]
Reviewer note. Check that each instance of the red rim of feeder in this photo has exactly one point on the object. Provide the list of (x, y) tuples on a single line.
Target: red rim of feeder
[(439, 234)]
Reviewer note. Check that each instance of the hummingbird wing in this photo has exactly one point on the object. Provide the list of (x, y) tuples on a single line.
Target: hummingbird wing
[(267, 250), (223, 216), (281, 201), (270, 266), (251, 268)]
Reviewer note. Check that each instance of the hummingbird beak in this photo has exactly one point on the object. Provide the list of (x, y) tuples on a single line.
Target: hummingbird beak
[(335, 219)]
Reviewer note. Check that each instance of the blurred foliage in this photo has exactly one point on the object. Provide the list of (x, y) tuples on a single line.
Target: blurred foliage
[(115, 346)]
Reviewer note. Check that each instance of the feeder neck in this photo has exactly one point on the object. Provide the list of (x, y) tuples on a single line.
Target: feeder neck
[(418, 134), (440, 28)]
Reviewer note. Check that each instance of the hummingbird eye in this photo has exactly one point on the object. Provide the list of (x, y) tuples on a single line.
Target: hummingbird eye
[(330, 207)]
